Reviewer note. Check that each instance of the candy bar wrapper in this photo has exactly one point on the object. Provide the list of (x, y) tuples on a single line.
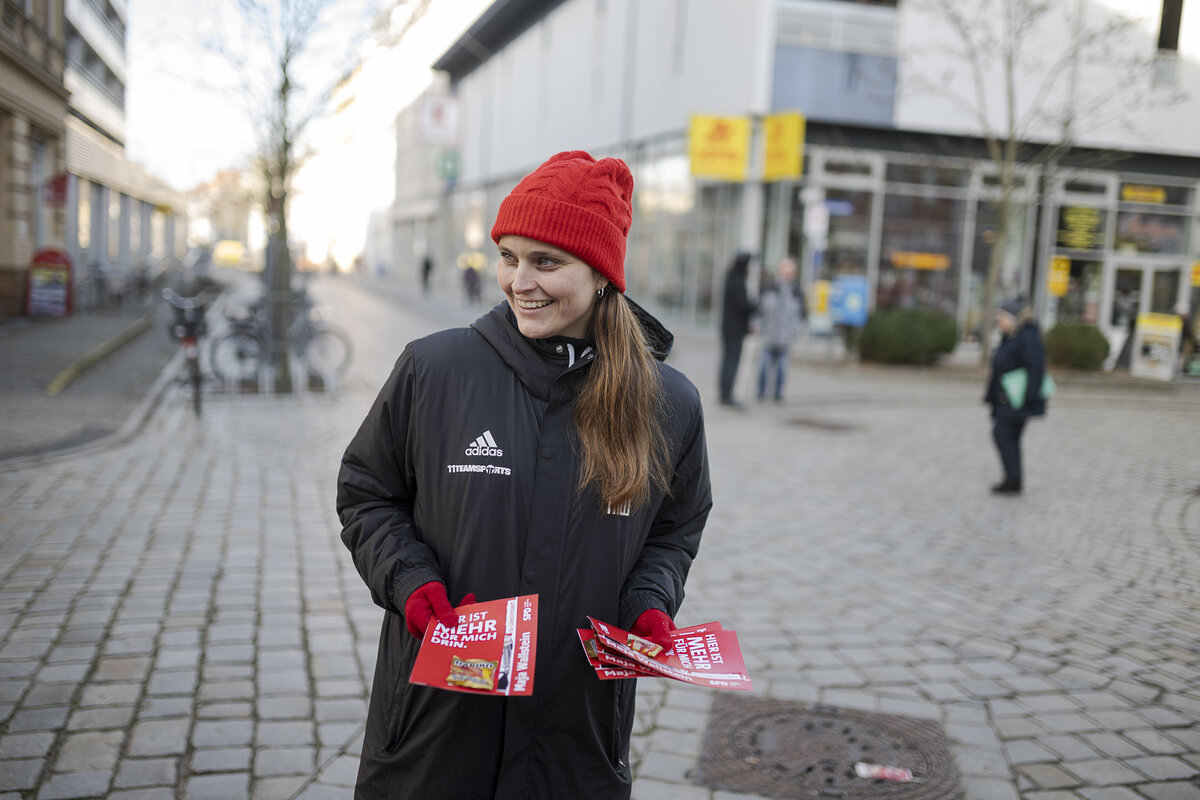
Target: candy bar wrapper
[(492, 650)]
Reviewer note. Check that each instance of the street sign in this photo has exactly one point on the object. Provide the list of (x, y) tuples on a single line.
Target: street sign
[(1060, 276), (784, 146), (848, 300)]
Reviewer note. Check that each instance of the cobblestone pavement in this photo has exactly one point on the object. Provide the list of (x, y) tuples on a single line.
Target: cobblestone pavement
[(178, 617)]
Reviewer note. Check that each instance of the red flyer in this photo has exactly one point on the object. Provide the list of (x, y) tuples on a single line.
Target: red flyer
[(491, 651), (704, 655)]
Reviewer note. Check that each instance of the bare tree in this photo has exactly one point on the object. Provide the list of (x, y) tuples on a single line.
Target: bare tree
[(1039, 74), (292, 57)]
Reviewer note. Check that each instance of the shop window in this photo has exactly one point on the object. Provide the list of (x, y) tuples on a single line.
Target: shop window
[(1081, 303), (1084, 187), (849, 233), (1081, 228), (847, 168), (993, 181), (926, 174), (1139, 232), (919, 253)]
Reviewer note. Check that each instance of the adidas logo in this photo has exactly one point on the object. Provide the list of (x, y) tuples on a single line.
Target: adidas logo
[(485, 445)]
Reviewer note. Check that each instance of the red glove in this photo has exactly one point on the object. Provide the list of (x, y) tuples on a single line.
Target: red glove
[(428, 601), (654, 625)]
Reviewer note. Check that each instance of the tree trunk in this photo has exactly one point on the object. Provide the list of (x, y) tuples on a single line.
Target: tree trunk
[(281, 307)]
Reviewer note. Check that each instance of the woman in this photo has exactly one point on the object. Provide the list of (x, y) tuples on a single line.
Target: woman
[(1020, 348), (597, 502)]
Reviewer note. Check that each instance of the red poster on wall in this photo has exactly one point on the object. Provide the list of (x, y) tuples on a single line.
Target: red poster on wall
[(49, 284)]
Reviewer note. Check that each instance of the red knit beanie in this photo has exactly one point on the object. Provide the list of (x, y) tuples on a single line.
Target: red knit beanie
[(577, 203)]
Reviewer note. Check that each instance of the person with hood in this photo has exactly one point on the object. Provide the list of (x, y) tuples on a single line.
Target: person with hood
[(1020, 348), (737, 309), (592, 493)]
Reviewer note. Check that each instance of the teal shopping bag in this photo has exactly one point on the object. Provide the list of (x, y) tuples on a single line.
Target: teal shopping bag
[(1015, 382)]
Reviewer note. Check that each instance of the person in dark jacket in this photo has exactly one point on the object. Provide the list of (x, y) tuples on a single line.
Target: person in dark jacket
[(736, 311), (1020, 348), (593, 496)]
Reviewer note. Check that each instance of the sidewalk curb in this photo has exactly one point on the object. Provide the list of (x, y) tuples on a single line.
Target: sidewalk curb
[(98, 354)]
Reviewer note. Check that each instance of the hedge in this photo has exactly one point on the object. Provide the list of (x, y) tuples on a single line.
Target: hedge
[(1076, 345), (907, 336)]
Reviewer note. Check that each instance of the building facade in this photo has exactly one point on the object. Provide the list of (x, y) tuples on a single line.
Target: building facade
[(901, 181), (121, 222), (33, 106)]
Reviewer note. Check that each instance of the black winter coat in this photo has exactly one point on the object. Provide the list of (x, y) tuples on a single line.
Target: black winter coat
[(737, 308), (410, 516), (1022, 348)]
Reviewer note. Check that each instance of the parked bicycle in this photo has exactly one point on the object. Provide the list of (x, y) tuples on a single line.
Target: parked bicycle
[(188, 327), (238, 356)]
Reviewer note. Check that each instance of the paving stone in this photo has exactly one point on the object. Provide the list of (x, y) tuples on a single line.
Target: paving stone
[(20, 773), (26, 745), (100, 718), (80, 752), (158, 737), (1102, 772), (274, 761), (1109, 793), (1162, 768), (1048, 776), (277, 788), (222, 759), (1025, 751), (1171, 790), (223, 733), (135, 772), (218, 787), (277, 734), (156, 793), (75, 784), (38, 719), (1113, 745)]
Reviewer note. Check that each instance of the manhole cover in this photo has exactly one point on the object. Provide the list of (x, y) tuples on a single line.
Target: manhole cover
[(790, 750)]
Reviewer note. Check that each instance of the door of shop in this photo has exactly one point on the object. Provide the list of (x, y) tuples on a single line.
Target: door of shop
[(1140, 287)]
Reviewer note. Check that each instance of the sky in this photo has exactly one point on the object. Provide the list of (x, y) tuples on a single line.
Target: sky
[(187, 119)]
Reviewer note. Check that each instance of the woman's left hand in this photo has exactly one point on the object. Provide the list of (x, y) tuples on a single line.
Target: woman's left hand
[(654, 625)]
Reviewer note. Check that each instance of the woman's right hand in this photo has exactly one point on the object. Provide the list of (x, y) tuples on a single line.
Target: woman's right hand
[(426, 602)]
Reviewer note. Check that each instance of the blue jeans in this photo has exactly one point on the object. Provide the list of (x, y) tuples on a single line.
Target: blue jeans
[(774, 360)]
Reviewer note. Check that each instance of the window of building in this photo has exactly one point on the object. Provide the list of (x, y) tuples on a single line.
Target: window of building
[(1151, 233), (849, 233), (927, 174), (1081, 303), (1081, 228), (920, 253)]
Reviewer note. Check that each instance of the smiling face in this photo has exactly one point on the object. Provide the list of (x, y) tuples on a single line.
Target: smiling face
[(551, 292)]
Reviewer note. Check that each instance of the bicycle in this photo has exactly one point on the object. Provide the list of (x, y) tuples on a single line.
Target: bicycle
[(188, 327), (323, 348)]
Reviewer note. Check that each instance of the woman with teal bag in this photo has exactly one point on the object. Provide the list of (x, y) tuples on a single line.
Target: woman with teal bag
[(1021, 355)]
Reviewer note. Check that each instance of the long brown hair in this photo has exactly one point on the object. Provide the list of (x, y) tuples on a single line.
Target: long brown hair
[(624, 450)]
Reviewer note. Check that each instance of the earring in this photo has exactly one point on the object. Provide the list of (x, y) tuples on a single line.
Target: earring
[(600, 291)]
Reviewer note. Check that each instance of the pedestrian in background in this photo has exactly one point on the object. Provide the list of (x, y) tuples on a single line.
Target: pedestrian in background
[(426, 272), (780, 317), (594, 496), (737, 309), (1020, 348), (471, 289)]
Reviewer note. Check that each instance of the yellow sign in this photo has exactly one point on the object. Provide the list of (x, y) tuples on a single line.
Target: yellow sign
[(907, 260), (1196, 275), (719, 147), (821, 297), (1160, 323), (1131, 193), (785, 146), (1060, 275), (1080, 228)]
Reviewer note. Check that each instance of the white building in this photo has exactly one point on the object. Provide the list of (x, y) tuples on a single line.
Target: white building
[(120, 220), (897, 182)]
